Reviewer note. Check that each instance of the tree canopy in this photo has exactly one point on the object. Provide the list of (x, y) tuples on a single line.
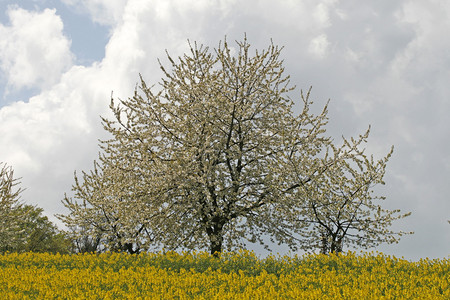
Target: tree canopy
[(216, 157)]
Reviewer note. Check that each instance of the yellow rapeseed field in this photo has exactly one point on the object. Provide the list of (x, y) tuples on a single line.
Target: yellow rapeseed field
[(239, 275)]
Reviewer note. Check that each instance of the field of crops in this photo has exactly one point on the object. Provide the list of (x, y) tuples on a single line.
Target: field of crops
[(232, 276)]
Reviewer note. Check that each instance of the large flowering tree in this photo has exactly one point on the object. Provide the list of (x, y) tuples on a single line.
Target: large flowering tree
[(214, 157)]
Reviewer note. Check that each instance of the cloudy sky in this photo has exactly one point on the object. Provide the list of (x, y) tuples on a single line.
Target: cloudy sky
[(384, 63)]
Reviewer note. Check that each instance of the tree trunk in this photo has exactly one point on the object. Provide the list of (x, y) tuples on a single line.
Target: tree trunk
[(333, 246), (216, 239), (216, 247), (336, 246), (129, 247), (324, 244)]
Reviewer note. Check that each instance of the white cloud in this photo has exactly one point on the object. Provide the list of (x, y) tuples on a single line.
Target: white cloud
[(319, 46), (33, 50), (55, 133), (428, 52), (322, 12)]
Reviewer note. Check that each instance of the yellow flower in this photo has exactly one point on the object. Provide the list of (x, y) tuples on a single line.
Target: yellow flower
[(237, 275)]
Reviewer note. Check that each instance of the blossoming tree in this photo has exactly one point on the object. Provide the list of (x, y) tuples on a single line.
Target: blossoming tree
[(214, 157)]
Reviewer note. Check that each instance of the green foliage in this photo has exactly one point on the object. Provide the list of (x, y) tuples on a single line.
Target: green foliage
[(38, 234), (23, 227)]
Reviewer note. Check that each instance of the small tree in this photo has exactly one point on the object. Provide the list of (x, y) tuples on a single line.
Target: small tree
[(341, 206), (215, 157), (10, 217), (38, 234)]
